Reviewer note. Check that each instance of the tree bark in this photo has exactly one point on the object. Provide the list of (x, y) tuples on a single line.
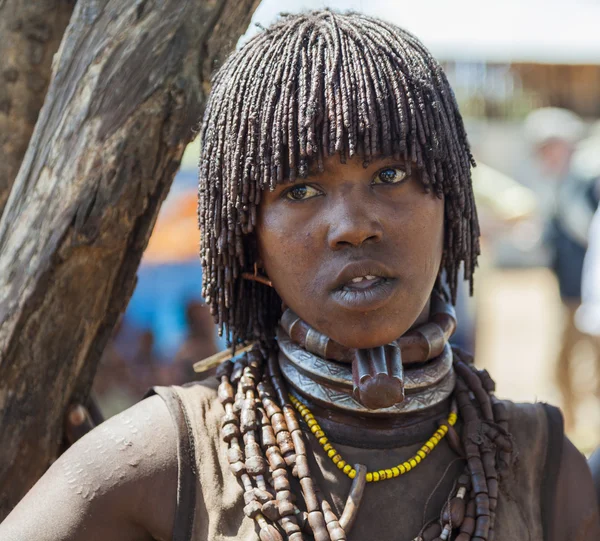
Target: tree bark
[(129, 84), (30, 33)]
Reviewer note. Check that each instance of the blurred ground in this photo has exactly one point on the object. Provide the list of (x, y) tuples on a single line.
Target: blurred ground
[(518, 335)]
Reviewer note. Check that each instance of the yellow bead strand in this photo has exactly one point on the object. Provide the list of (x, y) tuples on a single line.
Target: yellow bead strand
[(380, 475)]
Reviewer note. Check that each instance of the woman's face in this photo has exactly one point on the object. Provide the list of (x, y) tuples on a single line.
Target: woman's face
[(354, 251)]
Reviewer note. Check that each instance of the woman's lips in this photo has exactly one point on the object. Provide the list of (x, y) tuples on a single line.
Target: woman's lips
[(365, 295), (362, 282)]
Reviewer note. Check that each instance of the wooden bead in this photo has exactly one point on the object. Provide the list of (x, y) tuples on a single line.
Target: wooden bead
[(225, 392), (302, 465), (255, 362), (290, 525), (318, 527), (468, 526), (285, 504), (246, 383), (482, 526), (471, 450), (492, 488), (235, 454), (267, 436), (290, 418), (275, 459), (271, 408), (256, 465), (239, 400), (470, 511), (284, 440), (431, 532), (488, 383), (336, 532), (464, 480), (238, 370), (488, 459), (229, 432), (263, 419), (252, 509), (269, 533), (278, 422), (262, 495), (270, 510), (482, 505), (280, 480), (247, 419), (229, 418), (238, 468), (247, 482), (298, 440), (308, 493), (290, 459), (454, 441), (455, 512), (224, 369), (500, 413), (249, 496)]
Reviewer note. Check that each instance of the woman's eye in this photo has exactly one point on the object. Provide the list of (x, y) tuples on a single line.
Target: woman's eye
[(301, 192), (389, 175)]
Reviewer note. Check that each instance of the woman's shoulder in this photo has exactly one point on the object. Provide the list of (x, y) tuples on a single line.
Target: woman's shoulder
[(120, 480), (549, 465), (195, 403)]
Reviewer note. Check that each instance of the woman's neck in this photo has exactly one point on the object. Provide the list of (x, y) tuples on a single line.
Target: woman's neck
[(326, 386)]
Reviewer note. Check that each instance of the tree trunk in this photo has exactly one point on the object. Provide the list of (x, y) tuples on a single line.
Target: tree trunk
[(128, 88), (30, 33)]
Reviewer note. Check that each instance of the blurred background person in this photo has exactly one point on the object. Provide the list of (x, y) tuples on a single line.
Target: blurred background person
[(587, 164), (567, 202)]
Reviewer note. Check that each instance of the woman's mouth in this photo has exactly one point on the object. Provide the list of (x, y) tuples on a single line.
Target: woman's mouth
[(364, 293), (363, 285), (362, 282)]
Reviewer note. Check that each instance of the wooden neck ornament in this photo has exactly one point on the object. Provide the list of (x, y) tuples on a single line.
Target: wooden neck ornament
[(378, 373)]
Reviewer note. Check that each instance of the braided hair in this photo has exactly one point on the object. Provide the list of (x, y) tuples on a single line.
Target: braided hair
[(311, 86)]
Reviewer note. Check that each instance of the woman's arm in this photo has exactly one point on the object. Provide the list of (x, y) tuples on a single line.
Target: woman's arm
[(118, 482), (576, 514)]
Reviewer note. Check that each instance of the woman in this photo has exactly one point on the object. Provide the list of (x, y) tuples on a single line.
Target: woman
[(335, 200)]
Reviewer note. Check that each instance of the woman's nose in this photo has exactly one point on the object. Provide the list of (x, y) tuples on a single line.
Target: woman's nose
[(353, 222)]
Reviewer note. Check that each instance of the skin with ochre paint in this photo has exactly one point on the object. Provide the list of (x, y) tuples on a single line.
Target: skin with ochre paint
[(351, 222)]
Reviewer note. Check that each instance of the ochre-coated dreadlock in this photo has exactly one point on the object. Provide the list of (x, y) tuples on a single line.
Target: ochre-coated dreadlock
[(311, 86)]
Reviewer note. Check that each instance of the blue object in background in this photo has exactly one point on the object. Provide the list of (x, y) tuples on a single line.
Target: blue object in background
[(159, 301)]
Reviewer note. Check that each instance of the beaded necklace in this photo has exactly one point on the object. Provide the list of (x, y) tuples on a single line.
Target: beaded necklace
[(267, 446), (380, 475)]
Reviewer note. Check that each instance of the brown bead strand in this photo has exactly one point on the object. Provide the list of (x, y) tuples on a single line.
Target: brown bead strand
[(501, 440), (475, 386), (301, 470), (259, 415), (470, 438), (277, 466), (468, 525), (231, 434), (505, 455), (488, 446)]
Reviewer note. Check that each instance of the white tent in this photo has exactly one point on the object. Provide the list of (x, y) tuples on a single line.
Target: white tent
[(545, 31)]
